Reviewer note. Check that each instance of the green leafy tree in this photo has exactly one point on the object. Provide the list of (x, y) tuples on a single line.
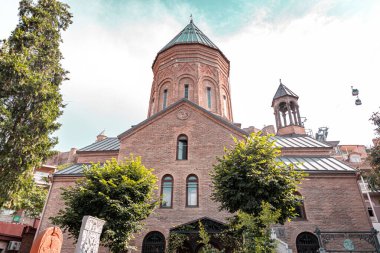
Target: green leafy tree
[(30, 198), (253, 233), (30, 99), (119, 193), (373, 177), (205, 241), (249, 180)]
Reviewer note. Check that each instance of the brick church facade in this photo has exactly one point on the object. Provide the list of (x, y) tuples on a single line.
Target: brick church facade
[(189, 123)]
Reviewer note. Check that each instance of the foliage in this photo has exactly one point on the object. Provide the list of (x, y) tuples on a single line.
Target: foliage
[(30, 197), (30, 101), (254, 231), (175, 242), (249, 175), (205, 240), (373, 177), (119, 193)]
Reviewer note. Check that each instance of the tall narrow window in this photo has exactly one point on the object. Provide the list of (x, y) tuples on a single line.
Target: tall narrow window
[(209, 97), (192, 191), (225, 105), (152, 107), (165, 99), (182, 147), (167, 191), (187, 91)]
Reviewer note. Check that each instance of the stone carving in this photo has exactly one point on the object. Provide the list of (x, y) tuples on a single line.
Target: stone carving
[(207, 70), (89, 236), (183, 114), (48, 241), (165, 73), (186, 68)]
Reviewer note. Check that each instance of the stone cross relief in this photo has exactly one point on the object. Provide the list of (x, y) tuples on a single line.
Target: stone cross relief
[(89, 236)]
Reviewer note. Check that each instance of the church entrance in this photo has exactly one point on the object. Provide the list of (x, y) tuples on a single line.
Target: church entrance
[(190, 234), (154, 242), (307, 243)]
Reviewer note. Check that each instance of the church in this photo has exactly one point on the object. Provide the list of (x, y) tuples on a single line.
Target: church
[(189, 123)]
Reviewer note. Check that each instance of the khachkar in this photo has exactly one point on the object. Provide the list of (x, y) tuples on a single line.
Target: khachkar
[(89, 236)]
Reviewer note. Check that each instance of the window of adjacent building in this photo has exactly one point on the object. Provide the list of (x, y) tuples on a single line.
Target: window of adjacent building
[(209, 97), (354, 158), (154, 242), (225, 105), (187, 91), (192, 191), (370, 212), (165, 99), (182, 147), (167, 191)]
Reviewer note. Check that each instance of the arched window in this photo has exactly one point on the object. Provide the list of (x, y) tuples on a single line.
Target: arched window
[(307, 243), (300, 209), (167, 191), (224, 106), (165, 99), (192, 191), (209, 97), (154, 242), (186, 91), (182, 147)]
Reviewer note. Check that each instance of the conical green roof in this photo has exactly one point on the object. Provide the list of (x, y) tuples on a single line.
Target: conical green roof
[(191, 34)]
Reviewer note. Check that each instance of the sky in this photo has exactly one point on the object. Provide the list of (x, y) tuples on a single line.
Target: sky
[(319, 48)]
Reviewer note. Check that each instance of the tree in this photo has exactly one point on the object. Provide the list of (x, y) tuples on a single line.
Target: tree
[(30, 198), (119, 193), (252, 233), (205, 241), (30, 99), (373, 177), (249, 180)]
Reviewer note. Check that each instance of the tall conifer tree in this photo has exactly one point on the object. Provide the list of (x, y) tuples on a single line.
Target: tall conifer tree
[(30, 101)]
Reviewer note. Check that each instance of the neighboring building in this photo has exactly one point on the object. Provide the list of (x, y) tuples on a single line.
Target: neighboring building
[(190, 122), (357, 157), (17, 230)]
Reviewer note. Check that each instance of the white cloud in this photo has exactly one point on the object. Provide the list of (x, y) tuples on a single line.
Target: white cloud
[(317, 56)]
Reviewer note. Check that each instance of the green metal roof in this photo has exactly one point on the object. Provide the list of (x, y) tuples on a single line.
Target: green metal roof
[(191, 34)]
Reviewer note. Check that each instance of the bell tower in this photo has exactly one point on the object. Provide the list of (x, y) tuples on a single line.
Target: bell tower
[(191, 67), (286, 112)]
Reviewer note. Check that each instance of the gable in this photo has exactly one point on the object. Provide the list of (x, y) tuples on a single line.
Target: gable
[(155, 140), (182, 115)]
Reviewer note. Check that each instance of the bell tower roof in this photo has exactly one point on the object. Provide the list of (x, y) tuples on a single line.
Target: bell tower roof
[(283, 91), (191, 34)]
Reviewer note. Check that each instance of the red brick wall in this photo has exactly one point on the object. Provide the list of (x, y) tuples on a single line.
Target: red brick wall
[(156, 144), (332, 202), (198, 66)]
